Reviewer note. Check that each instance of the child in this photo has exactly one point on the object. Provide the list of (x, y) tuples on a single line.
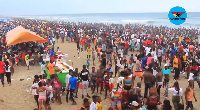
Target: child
[(88, 64), (57, 49), (93, 56), (86, 104), (166, 105), (99, 105), (107, 80), (16, 60), (111, 85), (131, 57), (49, 94)]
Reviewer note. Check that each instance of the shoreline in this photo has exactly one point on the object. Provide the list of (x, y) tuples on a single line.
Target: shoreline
[(69, 19)]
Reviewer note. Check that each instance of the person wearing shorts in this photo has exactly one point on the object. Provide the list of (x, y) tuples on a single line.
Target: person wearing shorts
[(115, 102)]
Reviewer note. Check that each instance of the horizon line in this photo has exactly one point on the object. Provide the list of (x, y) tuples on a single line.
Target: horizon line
[(92, 13)]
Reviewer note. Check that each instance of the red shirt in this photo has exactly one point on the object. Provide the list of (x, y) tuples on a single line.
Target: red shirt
[(181, 49), (23, 55), (2, 64), (126, 44), (149, 42), (195, 68), (83, 41), (145, 43)]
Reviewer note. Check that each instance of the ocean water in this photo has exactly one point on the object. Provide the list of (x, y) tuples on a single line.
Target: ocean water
[(157, 19)]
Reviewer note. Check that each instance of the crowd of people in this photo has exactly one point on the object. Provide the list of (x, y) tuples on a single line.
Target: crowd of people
[(124, 52)]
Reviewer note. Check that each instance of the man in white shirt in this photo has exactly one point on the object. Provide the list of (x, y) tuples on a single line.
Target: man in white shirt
[(67, 83), (186, 50), (93, 105), (147, 49), (120, 82)]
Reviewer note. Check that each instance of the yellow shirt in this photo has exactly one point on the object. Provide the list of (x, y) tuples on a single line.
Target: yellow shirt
[(26, 57), (180, 38), (184, 58), (89, 51), (99, 106), (175, 63)]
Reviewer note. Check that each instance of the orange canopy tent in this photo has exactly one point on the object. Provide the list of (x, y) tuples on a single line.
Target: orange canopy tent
[(20, 35)]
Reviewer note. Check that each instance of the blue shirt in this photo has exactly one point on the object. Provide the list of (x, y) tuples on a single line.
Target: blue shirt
[(176, 48), (73, 81), (71, 35), (183, 42), (110, 70), (144, 62), (166, 71), (172, 53), (131, 57), (163, 50), (51, 53), (88, 63)]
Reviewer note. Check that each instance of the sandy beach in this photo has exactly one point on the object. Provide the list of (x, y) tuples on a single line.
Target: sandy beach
[(18, 96)]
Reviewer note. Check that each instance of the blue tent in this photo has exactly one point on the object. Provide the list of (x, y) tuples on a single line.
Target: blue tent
[(5, 19)]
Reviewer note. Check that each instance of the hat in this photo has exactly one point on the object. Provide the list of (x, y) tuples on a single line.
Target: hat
[(134, 103), (165, 65)]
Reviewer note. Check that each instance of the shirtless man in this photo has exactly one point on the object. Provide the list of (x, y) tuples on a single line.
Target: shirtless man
[(159, 82), (148, 78), (100, 73)]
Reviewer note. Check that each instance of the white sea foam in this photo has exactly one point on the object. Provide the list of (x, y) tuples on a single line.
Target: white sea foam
[(134, 21)]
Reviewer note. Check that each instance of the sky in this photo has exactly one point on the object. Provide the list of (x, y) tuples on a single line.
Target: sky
[(51, 7)]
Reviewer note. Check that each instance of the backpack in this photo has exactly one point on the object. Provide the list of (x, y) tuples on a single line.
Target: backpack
[(152, 101)]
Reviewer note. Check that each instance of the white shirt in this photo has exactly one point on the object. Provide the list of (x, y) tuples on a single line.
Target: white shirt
[(93, 106), (175, 93), (51, 93), (154, 72), (120, 82), (67, 79), (110, 80), (8, 70), (191, 77), (160, 52), (53, 39), (43, 68), (34, 90), (147, 50), (121, 67), (186, 50)]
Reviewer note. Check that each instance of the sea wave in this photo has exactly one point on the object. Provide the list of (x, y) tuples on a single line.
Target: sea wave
[(137, 21), (108, 21)]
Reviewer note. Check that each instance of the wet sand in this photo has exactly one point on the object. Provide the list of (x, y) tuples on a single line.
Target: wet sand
[(18, 96)]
